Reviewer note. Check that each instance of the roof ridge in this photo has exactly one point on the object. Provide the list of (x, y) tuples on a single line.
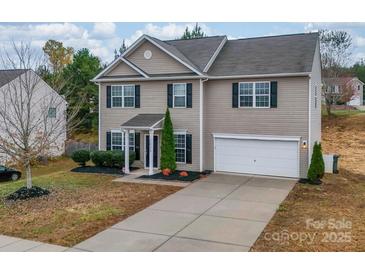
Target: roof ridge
[(272, 36), (197, 38)]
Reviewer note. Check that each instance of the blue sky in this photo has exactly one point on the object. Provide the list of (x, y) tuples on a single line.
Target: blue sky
[(103, 38)]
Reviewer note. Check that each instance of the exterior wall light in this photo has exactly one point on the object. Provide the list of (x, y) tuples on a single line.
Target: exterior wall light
[(304, 144)]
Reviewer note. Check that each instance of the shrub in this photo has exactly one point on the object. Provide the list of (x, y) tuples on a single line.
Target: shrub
[(168, 158), (98, 157), (316, 168), (111, 158), (81, 156)]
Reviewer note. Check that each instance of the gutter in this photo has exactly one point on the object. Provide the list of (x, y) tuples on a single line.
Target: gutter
[(297, 74), (201, 123)]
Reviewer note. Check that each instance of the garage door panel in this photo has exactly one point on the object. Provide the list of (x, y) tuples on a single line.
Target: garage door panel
[(267, 157)]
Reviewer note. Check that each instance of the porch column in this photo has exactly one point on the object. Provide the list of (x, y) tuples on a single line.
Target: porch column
[(150, 170), (126, 151)]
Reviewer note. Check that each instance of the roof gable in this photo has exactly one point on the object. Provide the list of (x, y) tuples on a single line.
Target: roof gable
[(159, 63), (9, 75)]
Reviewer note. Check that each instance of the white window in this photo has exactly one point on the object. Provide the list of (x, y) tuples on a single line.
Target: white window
[(179, 95), (180, 147), (117, 140), (254, 94), (52, 112), (123, 96)]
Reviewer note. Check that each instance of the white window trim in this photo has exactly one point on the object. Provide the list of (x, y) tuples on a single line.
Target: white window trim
[(181, 133), (123, 97), (173, 95), (123, 140), (253, 94)]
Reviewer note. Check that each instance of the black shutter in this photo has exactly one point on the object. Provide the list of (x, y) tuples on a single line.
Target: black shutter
[(108, 140), (274, 94), (137, 96), (108, 96), (137, 142), (235, 95), (188, 148), (169, 95), (189, 93)]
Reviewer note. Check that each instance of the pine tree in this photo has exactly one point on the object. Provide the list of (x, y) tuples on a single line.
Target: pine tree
[(195, 33), (123, 48), (168, 157), (316, 168)]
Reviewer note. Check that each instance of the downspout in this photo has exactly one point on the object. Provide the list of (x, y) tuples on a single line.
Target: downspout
[(99, 118), (309, 121), (201, 124)]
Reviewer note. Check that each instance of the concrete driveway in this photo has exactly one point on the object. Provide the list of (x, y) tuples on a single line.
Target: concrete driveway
[(219, 213)]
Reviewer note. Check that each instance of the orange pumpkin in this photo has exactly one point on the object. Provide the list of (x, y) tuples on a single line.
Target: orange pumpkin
[(183, 174), (166, 172)]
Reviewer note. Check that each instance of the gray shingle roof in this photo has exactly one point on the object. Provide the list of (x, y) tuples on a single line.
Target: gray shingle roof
[(9, 74), (200, 50), (143, 120), (266, 55)]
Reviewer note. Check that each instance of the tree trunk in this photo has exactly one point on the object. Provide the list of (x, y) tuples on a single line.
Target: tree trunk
[(328, 108), (28, 173)]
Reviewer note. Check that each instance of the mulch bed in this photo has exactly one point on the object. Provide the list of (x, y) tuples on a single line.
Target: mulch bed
[(175, 176), (100, 170), (26, 193)]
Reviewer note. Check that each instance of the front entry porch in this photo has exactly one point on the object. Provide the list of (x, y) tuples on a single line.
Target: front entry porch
[(149, 125)]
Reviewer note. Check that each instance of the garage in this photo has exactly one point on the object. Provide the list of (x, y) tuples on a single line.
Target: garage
[(262, 155)]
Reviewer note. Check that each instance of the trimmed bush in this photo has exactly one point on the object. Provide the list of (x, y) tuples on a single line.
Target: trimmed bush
[(168, 157), (81, 156), (97, 157), (111, 158), (316, 168)]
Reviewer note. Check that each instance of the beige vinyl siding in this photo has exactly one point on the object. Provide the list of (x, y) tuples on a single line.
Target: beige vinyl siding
[(290, 118), (154, 100), (160, 62), (122, 69), (316, 112)]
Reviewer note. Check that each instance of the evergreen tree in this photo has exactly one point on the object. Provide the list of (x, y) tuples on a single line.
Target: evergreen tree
[(122, 49), (197, 32), (168, 157), (316, 168)]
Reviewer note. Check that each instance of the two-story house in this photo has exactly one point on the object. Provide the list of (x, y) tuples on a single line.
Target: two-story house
[(248, 106), (45, 117), (353, 84)]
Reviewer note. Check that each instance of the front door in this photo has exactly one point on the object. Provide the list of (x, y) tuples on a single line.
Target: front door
[(155, 150)]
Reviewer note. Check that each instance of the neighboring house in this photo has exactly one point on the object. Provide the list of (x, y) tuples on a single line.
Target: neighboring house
[(244, 106), (46, 104), (337, 85)]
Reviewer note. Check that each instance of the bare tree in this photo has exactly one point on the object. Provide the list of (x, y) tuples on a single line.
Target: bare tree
[(335, 54), (29, 128)]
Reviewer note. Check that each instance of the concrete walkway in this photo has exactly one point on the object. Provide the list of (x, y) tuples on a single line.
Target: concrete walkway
[(219, 213), (8, 244)]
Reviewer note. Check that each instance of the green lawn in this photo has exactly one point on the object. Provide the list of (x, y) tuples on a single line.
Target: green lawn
[(343, 112), (79, 206)]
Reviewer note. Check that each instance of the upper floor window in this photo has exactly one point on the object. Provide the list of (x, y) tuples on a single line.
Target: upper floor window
[(123, 96), (254, 94), (52, 112), (179, 95)]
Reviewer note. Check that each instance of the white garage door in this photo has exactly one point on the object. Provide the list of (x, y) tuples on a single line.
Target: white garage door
[(264, 157)]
